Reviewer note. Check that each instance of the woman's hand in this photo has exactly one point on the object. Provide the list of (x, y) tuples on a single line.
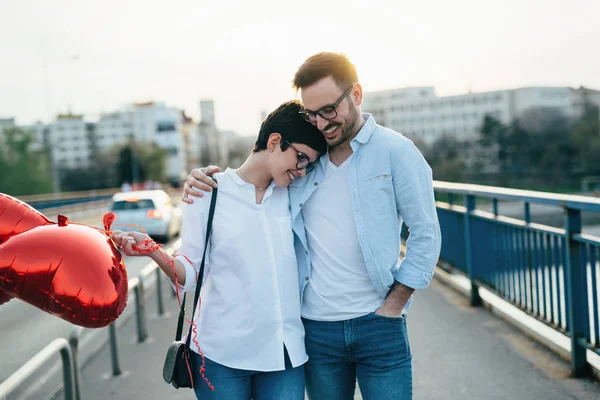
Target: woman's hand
[(199, 181), (127, 240)]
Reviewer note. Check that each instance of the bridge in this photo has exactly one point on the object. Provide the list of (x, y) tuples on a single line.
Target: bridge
[(513, 312)]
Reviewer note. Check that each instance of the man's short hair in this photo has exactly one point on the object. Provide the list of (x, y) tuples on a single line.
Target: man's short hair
[(323, 65), (287, 121)]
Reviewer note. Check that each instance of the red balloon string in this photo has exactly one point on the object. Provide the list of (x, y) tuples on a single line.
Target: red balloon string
[(147, 246)]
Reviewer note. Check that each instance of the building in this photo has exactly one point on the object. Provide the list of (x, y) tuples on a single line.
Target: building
[(73, 140), (192, 143), (216, 151), (5, 123), (151, 122), (418, 113), (69, 141)]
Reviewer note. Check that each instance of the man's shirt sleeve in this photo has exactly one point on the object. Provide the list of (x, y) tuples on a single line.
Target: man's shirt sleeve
[(415, 202)]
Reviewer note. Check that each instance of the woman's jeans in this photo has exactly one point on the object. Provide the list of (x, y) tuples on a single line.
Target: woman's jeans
[(238, 384), (371, 348)]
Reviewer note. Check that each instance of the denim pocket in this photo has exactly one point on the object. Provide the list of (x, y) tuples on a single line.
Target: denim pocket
[(391, 319)]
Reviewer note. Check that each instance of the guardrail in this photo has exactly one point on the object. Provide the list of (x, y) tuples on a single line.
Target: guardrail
[(68, 195), (550, 273), (55, 200), (59, 345), (69, 349), (79, 211)]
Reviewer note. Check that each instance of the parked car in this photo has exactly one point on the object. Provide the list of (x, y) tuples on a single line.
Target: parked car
[(152, 210)]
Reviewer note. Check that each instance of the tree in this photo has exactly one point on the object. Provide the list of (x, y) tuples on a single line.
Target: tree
[(99, 175), (25, 170), (446, 158), (489, 151), (147, 160), (585, 136), (550, 151)]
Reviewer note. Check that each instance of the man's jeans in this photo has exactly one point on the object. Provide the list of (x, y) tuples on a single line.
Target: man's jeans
[(371, 348), (237, 384)]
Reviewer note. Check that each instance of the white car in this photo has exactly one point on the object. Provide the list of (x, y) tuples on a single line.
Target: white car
[(152, 210)]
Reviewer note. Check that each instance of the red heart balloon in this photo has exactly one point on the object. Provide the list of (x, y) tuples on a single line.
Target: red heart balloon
[(72, 271)]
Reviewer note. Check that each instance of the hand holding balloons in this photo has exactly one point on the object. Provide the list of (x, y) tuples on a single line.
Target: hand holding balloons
[(134, 243)]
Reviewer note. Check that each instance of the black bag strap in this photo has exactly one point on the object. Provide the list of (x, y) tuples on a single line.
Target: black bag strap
[(211, 214)]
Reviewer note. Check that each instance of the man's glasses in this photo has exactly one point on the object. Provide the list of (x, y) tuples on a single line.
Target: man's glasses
[(303, 159), (328, 112)]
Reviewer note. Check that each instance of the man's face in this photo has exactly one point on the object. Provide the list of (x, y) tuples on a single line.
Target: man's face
[(325, 93)]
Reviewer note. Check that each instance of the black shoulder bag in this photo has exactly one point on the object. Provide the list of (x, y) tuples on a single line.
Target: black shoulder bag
[(175, 369)]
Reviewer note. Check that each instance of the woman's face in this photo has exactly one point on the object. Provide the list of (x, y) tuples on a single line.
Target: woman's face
[(284, 164)]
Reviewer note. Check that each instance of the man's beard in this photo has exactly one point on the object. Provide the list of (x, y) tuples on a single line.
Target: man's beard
[(347, 128)]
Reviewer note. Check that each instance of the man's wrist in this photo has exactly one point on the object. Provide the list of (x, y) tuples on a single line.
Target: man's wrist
[(393, 307)]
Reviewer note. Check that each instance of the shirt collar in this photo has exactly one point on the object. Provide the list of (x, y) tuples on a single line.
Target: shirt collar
[(362, 137), (367, 129), (240, 182), (235, 177)]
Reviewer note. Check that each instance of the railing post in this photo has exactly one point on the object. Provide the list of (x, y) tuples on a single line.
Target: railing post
[(528, 256), (68, 373), (114, 351), (140, 311), (577, 294), (470, 206), (74, 344), (159, 292)]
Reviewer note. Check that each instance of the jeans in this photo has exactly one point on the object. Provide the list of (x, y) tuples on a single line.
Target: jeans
[(371, 348), (238, 384)]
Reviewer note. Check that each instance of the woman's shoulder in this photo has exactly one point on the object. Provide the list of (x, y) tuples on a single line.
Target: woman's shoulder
[(219, 176), (199, 206)]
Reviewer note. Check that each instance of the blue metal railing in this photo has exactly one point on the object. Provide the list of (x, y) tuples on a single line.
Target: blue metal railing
[(550, 273), (53, 200)]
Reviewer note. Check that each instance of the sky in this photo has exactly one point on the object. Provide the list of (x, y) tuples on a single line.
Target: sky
[(91, 57)]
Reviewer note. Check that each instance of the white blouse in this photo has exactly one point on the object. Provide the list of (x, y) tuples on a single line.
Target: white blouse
[(250, 305)]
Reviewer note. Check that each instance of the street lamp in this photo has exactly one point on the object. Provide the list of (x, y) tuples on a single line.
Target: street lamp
[(134, 166)]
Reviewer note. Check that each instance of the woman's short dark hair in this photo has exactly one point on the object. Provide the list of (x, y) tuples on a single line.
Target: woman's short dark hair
[(323, 65), (287, 121)]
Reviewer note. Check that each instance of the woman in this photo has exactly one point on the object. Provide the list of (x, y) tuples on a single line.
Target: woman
[(249, 326)]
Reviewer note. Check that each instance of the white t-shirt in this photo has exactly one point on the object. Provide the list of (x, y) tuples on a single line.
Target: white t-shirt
[(250, 305), (339, 286)]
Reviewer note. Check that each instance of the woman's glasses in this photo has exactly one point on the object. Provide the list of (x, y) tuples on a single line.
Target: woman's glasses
[(303, 159)]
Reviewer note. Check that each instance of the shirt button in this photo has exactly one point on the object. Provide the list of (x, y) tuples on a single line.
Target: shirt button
[(306, 251), (300, 205), (316, 183), (306, 278)]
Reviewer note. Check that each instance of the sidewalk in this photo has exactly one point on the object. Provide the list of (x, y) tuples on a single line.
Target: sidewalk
[(459, 353)]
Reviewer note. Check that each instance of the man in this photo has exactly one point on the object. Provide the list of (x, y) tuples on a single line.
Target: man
[(347, 216)]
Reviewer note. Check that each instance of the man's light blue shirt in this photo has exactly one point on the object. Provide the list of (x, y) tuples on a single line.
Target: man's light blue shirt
[(390, 183)]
